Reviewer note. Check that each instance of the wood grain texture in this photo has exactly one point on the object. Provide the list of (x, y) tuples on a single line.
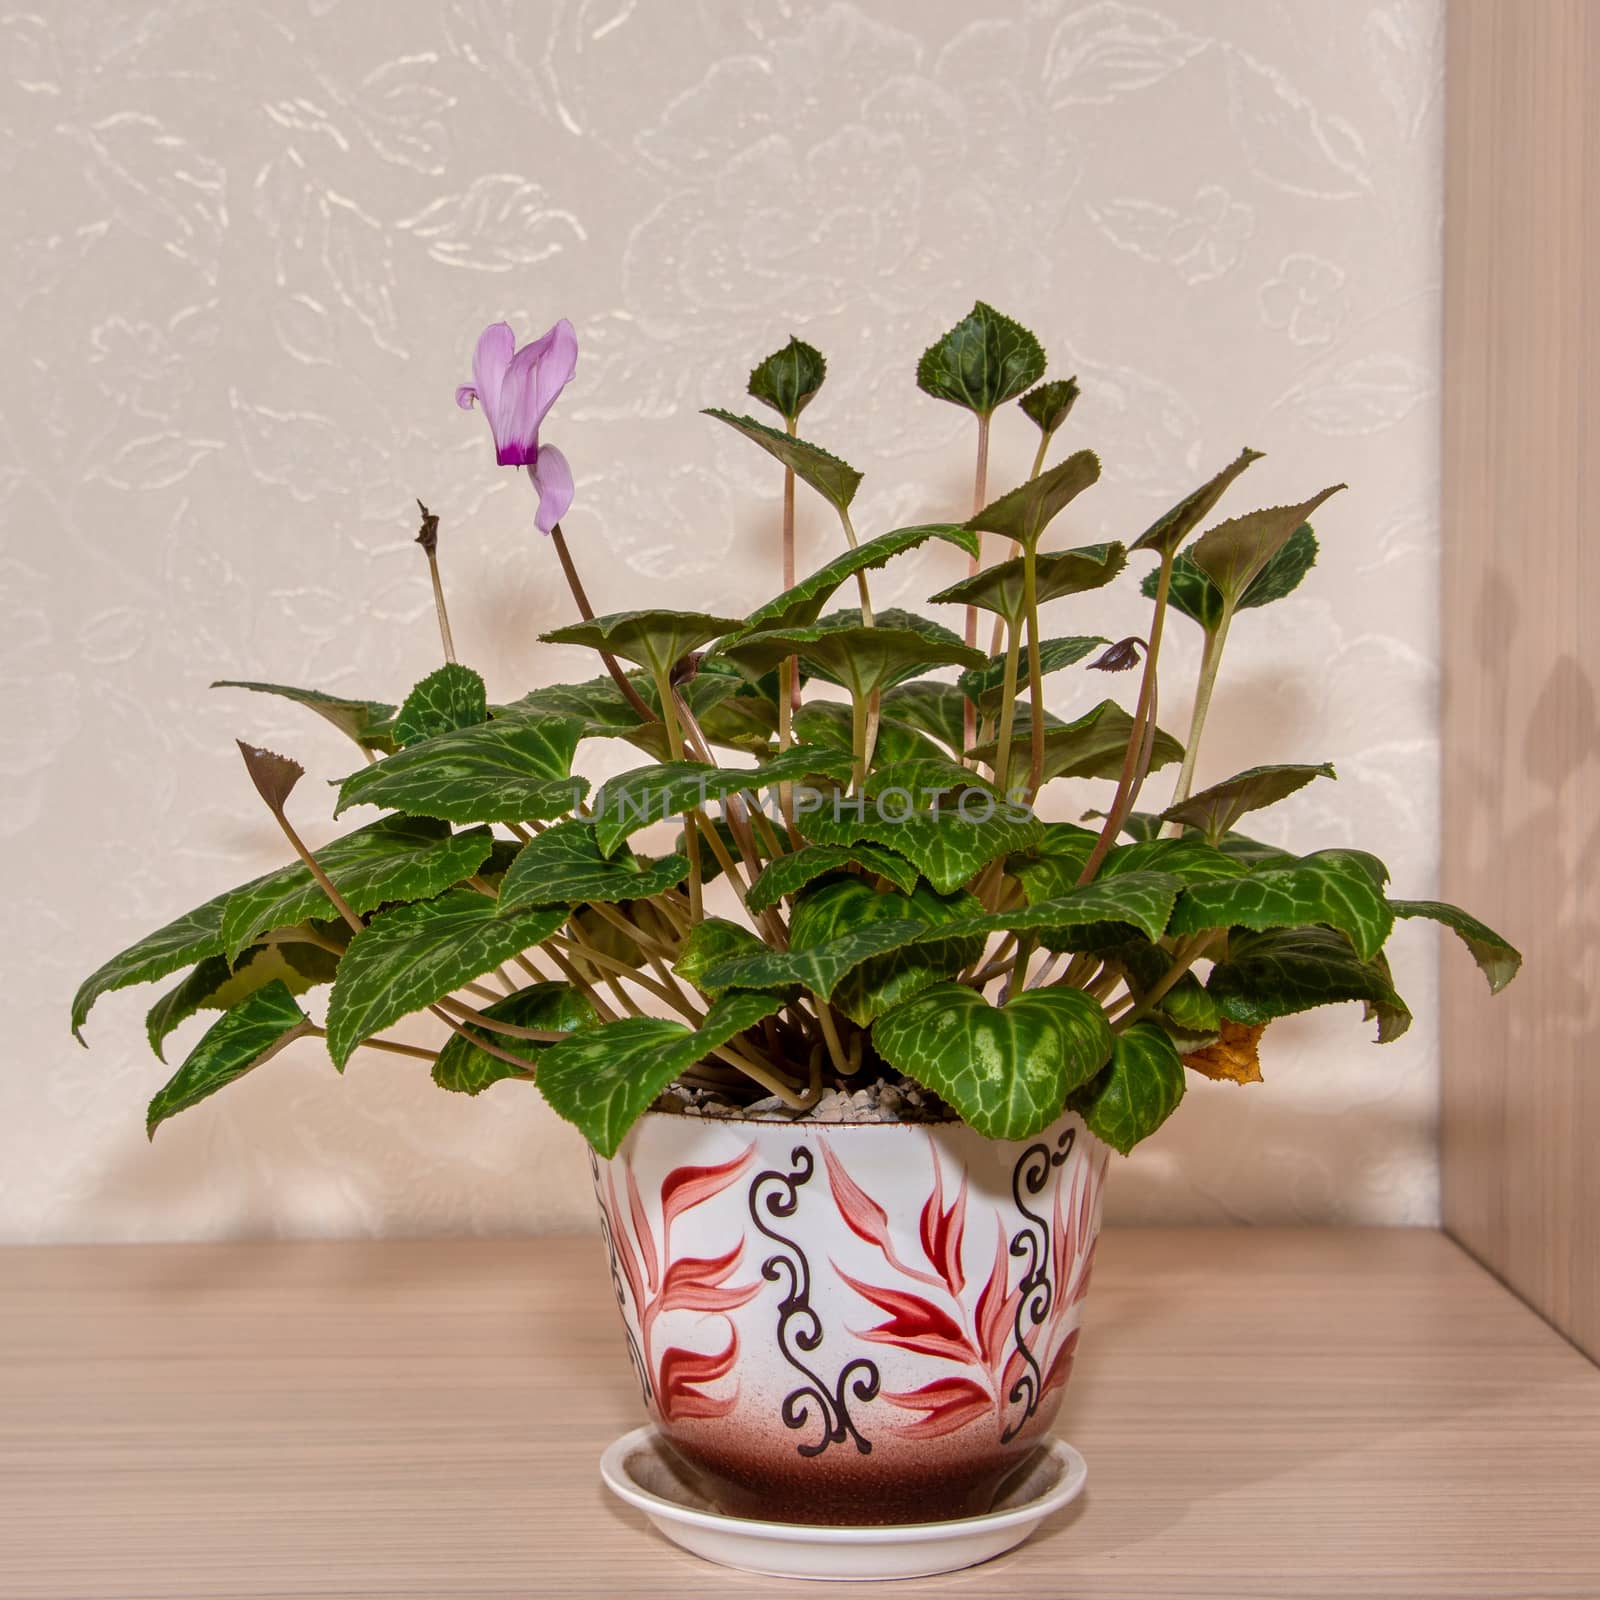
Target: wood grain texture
[(1264, 1412), (1521, 648)]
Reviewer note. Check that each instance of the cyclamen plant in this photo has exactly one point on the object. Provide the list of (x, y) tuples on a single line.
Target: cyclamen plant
[(900, 908)]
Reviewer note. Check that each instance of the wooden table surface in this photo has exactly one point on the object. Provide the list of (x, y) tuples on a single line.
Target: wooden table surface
[(1284, 1413)]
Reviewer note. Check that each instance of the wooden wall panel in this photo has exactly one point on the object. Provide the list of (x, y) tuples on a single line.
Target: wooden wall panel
[(1521, 532)]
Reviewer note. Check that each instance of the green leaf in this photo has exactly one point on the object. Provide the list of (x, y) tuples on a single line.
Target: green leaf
[(1137, 1092), (862, 659), (947, 842), (1006, 1070), (1189, 860), (410, 957), (633, 800), (1053, 864), (789, 378), (1198, 598), (1215, 810), (395, 858), (999, 588), (711, 941), (215, 986), (1169, 530), (982, 362), (1333, 888), (514, 769), (1028, 510), (1233, 553), (603, 1079), (791, 873), (185, 940), (453, 697), (600, 705), (254, 1031), (827, 722), (1143, 900), (983, 685), (1047, 406), (929, 707), (802, 605), (367, 722), (1286, 970), (1497, 960), (465, 1068), (819, 968), (655, 640), (1093, 746), (564, 865), (835, 480), (828, 911)]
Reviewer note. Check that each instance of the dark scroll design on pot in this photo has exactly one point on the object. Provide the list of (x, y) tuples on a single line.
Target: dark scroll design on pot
[(617, 1284), (1031, 1242), (776, 1194)]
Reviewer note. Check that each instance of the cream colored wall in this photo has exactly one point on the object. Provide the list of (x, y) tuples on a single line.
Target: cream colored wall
[(252, 250)]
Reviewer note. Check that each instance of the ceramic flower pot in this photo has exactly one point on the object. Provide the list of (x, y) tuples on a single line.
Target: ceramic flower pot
[(850, 1323)]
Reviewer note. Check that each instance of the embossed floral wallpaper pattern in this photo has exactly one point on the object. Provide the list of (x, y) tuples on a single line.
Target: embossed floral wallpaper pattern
[(247, 250)]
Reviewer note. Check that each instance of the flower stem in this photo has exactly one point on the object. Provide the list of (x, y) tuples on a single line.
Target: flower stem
[(586, 611), (980, 493), (1008, 707), (428, 538), (1209, 663), (1030, 599)]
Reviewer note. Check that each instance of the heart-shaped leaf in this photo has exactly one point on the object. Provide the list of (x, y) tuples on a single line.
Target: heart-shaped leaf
[(556, 1007), (947, 841), (1287, 970), (215, 986), (802, 605), (1189, 860), (655, 640), (711, 941), (453, 697), (1233, 553), (826, 912), (928, 706), (791, 873), (789, 379), (1340, 889), (982, 362), (1000, 588), (564, 865), (1055, 862), (514, 769), (368, 722), (395, 858), (828, 722), (835, 480), (983, 685), (863, 659), (408, 958), (1143, 900), (819, 968), (1093, 746), (1027, 511), (194, 936), (1138, 1091), (1497, 960), (603, 1079), (1169, 530), (1215, 810), (1198, 598), (251, 1033), (1048, 406), (1006, 1070), (633, 800)]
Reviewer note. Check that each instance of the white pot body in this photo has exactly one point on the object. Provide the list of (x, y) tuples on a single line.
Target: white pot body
[(851, 1323)]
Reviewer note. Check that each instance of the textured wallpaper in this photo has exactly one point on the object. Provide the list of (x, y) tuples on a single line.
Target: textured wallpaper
[(247, 250)]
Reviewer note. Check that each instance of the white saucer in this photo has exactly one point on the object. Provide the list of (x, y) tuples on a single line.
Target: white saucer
[(638, 1469)]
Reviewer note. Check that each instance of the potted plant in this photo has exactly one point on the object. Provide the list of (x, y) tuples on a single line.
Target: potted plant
[(853, 1042)]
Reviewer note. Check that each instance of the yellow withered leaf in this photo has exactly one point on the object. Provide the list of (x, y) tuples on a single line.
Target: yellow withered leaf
[(1233, 1056)]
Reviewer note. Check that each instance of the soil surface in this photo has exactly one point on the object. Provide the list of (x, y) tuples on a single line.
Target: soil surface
[(882, 1100)]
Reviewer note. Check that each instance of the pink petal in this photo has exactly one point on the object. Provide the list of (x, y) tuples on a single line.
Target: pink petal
[(465, 396), (496, 346), (552, 477), (538, 373)]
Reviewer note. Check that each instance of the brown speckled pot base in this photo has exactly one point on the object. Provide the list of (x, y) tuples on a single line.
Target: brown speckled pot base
[(850, 1324)]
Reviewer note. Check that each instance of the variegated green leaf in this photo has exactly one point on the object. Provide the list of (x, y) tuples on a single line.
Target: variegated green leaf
[(655, 640), (554, 1007), (1497, 960), (789, 378), (1215, 810), (453, 697), (791, 873), (1000, 588), (982, 362), (1138, 1091), (1287, 970), (368, 722), (215, 986), (564, 865), (835, 480)]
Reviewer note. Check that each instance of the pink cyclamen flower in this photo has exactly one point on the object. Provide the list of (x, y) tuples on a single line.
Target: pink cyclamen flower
[(516, 389)]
